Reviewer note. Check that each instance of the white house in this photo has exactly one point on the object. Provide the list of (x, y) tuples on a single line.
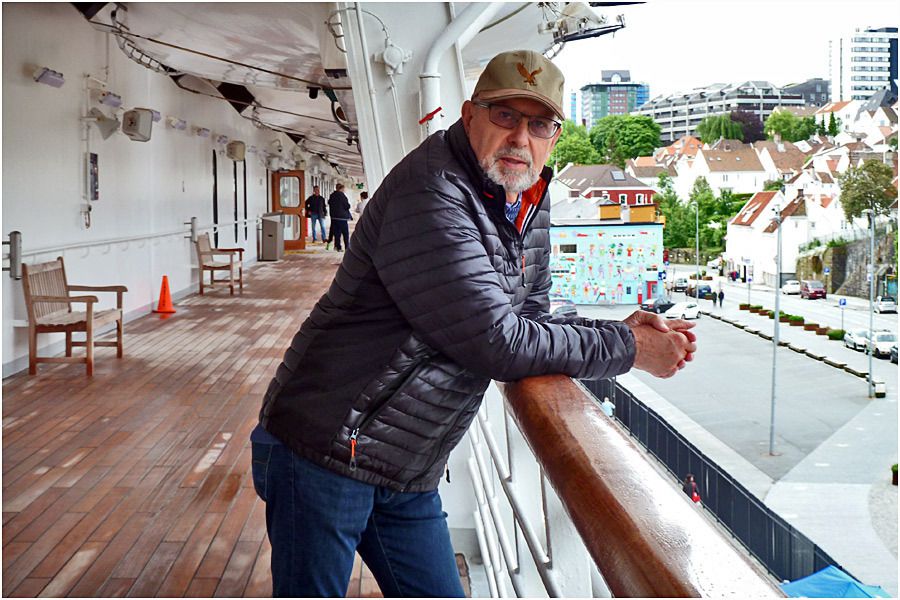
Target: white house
[(733, 167), (742, 248)]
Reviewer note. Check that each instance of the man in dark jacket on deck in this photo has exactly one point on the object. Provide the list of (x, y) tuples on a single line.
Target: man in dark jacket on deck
[(445, 288), (316, 211), (339, 206)]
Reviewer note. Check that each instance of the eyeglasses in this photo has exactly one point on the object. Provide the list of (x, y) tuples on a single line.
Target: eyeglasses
[(509, 118)]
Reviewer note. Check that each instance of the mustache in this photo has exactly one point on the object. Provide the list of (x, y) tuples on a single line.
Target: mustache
[(513, 152)]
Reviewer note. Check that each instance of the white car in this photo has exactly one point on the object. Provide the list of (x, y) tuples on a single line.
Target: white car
[(881, 343), (856, 338), (791, 286), (885, 304), (684, 310)]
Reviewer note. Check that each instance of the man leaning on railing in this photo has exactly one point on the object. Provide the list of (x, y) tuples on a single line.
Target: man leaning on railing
[(444, 288)]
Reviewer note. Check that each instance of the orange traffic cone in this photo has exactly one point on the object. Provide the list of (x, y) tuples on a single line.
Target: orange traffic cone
[(165, 299)]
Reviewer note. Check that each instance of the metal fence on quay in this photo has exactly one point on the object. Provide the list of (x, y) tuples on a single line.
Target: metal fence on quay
[(775, 543)]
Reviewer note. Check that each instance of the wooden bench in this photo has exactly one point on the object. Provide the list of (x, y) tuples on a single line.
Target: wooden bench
[(206, 258), (49, 305)]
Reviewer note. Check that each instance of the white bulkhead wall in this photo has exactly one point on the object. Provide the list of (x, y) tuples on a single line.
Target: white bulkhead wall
[(145, 187), (412, 27)]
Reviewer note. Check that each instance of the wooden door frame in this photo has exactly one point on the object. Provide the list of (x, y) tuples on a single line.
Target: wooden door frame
[(299, 210)]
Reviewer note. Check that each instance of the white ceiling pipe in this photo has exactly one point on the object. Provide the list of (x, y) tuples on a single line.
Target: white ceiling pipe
[(461, 31)]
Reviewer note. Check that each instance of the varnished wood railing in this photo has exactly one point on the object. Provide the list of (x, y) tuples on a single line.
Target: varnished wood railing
[(645, 537)]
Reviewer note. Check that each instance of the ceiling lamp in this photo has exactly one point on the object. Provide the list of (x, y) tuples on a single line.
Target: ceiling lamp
[(176, 123), (202, 132), (49, 77), (109, 99)]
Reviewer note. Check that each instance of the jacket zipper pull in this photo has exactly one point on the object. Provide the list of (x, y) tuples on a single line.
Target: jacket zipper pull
[(353, 437), (523, 269), (447, 472)]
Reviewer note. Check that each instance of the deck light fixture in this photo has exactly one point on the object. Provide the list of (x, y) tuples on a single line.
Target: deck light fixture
[(49, 77), (176, 123), (110, 99)]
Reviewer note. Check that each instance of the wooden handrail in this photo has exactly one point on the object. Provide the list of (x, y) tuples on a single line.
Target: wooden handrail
[(644, 535)]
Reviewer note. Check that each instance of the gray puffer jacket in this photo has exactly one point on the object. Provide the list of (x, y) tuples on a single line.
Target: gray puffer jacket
[(438, 294)]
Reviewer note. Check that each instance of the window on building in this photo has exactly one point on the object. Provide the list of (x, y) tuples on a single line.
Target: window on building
[(623, 198), (640, 198)]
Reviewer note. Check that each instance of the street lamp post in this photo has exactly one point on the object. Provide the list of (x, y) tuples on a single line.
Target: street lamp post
[(870, 275), (777, 209), (697, 250)]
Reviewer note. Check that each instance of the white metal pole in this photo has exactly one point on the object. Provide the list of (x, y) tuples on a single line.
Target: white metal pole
[(775, 337), (697, 250), (871, 276)]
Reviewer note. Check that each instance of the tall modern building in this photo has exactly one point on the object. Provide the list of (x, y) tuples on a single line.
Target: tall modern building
[(616, 94), (573, 108), (679, 114), (863, 63)]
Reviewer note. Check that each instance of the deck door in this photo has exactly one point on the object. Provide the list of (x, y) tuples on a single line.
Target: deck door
[(288, 196)]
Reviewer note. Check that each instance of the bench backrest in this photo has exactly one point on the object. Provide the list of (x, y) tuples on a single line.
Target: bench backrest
[(45, 279), (204, 248)]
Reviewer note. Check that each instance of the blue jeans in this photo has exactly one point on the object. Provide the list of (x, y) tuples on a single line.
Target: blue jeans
[(317, 218), (317, 520)]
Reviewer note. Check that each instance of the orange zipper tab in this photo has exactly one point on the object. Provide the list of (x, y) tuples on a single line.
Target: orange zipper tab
[(353, 437)]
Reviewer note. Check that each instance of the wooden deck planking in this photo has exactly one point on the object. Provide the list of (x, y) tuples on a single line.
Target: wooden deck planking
[(137, 481)]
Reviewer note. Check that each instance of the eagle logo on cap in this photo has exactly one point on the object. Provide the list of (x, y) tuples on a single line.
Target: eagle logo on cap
[(529, 77)]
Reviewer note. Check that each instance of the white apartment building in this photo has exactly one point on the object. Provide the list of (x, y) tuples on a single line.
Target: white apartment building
[(863, 62), (679, 114)]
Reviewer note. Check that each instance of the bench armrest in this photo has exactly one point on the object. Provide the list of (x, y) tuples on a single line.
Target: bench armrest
[(87, 299), (97, 288)]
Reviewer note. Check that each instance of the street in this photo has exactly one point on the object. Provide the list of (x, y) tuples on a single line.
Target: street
[(824, 312)]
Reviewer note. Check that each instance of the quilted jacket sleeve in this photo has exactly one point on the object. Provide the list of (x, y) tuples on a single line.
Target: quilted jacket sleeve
[(431, 259)]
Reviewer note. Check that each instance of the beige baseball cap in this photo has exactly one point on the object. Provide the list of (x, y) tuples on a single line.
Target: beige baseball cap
[(522, 74)]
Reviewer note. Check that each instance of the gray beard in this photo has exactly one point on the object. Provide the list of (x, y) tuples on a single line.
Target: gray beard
[(514, 183)]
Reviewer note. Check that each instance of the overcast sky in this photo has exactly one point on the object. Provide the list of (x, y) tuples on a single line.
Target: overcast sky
[(676, 45)]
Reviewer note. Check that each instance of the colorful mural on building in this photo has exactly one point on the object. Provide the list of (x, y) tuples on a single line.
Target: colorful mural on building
[(606, 264)]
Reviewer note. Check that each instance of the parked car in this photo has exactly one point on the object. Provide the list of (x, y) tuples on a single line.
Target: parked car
[(680, 284), (812, 289), (791, 286), (856, 338), (684, 310), (704, 289), (881, 343), (562, 306), (894, 353), (885, 304), (657, 305)]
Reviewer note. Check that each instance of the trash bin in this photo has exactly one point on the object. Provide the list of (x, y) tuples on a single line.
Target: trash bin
[(272, 236)]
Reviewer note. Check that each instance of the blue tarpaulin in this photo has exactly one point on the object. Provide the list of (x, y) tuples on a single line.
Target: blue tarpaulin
[(831, 582)]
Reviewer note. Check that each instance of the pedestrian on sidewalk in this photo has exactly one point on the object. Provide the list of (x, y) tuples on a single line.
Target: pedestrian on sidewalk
[(689, 486), (721, 297)]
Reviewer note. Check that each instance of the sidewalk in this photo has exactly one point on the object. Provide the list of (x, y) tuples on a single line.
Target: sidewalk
[(808, 496)]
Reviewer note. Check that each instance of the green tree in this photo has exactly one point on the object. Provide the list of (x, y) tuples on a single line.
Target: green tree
[(867, 187), (772, 185), (789, 127), (834, 125), (620, 137), (821, 128), (679, 229), (714, 127), (573, 147)]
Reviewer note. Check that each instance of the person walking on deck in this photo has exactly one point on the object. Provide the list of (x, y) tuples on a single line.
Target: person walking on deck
[(316, 211), (447, 288), (339, 206)]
